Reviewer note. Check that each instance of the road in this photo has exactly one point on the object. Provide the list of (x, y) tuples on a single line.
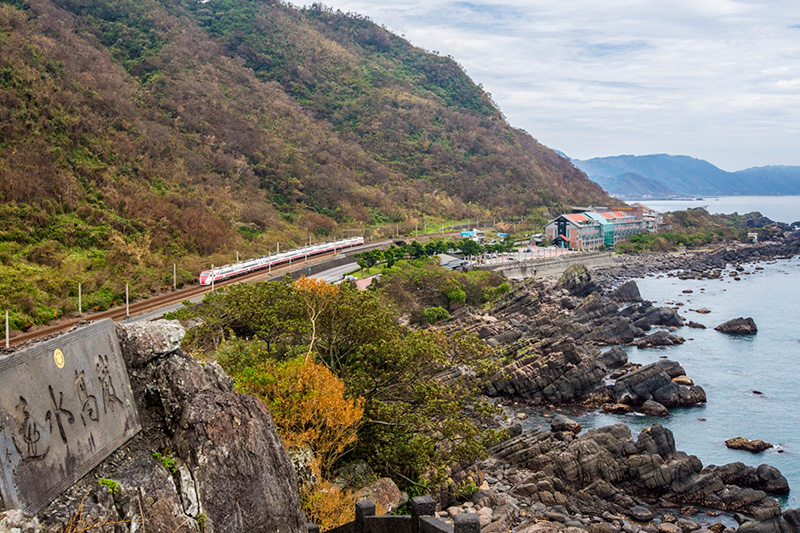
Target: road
[(336, 274)]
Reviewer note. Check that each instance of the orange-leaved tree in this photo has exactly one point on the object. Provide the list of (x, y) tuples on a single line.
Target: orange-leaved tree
[(310, 409), (308, 405)]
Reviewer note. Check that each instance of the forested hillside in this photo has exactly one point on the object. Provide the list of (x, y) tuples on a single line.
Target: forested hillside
[(138, 133)]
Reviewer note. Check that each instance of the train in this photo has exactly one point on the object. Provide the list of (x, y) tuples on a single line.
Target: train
[(207, 277)]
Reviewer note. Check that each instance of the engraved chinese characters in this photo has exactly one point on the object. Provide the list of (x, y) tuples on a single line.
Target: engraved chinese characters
[(65, 405)]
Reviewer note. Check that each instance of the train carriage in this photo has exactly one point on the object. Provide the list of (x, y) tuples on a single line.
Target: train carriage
[(229, 271)]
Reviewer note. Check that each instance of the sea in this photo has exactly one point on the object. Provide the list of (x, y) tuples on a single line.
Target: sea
[(752, 382), (778, 208)]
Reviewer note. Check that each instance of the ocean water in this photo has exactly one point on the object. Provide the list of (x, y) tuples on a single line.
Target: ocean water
[(779, 208), (730, 368)]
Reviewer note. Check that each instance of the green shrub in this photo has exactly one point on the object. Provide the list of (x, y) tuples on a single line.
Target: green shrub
[(431, 315)]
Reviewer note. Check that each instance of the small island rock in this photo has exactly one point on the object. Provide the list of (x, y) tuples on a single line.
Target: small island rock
[(741, 443), (739, 326)]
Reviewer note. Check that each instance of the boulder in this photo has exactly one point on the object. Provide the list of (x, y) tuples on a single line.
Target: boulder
[(577, 281), (675, 395), (738, 326), (562, 423), (383, 493), (663, 316), (617, 408), (753, 446), (615, 357), (221, 464), (764, 477), (658, 339), (144, 341), (244, 478), (638, 386), (627, 292), (653, 408), (640, 513)]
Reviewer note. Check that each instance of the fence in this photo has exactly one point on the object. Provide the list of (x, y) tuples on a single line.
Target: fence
[(421, 520)]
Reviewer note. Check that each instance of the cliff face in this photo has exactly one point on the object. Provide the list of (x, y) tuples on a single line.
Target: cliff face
[(207, 459)]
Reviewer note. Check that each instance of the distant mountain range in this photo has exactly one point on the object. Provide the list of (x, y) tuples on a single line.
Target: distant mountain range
[(666, 176)]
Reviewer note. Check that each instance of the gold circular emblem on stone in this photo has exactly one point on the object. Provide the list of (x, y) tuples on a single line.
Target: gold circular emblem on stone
[(58, 357)]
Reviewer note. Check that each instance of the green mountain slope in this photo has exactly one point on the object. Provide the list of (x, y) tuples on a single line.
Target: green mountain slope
[(135, 134)]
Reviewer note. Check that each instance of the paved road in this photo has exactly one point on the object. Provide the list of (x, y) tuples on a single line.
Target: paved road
[(336, 274)]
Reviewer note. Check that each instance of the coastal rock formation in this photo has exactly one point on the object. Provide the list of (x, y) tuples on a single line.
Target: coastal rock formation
[(659, 339), (563, 423), (577, 281), (550, 338), (764, 477), (738, 326), (606, 470), (653, 408), (655, 382), (753, 446), (627, 292), (207, 458)]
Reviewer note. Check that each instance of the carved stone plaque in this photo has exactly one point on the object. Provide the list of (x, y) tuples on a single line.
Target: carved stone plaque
[(65, 405)]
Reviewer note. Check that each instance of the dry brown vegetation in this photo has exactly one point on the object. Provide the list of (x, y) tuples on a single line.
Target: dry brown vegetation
[(136, 134)]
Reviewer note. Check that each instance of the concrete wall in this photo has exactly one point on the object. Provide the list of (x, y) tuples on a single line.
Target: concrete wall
[(551, 267)]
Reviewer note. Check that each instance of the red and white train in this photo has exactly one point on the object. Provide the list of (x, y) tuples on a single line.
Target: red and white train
[(259, 263)]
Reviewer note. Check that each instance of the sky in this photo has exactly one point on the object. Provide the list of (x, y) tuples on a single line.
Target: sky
[(713, 79)]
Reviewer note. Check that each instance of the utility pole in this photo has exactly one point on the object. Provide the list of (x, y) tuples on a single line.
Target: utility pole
[(212, 277), (127, 302), (8, 335), (80, 303), (174, 276)]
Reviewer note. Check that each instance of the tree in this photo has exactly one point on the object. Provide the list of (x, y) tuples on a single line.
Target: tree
[(316, 295), (307, 401), (416, 250), (469, 247), (414, 423), (455, 294)]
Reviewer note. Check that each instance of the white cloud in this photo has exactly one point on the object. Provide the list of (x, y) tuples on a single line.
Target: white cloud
[(715, 79)]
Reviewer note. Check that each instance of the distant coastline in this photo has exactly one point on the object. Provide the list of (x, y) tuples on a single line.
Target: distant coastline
[(680, 176), (780, 208)]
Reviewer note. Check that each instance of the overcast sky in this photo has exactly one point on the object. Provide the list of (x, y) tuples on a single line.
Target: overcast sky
[(714, 79)]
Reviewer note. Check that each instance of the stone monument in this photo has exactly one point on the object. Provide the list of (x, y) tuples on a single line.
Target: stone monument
[(65, 405)]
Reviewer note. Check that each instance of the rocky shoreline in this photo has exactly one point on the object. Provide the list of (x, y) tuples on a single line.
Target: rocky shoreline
[(607, 480)]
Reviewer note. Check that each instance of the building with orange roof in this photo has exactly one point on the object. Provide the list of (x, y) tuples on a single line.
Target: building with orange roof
[(589, 229)]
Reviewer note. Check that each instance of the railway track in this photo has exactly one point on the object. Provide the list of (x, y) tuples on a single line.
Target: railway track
[(160, 301), (157, 302)]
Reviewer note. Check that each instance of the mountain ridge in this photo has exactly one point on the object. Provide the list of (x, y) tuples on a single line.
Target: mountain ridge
[(686, 176)]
